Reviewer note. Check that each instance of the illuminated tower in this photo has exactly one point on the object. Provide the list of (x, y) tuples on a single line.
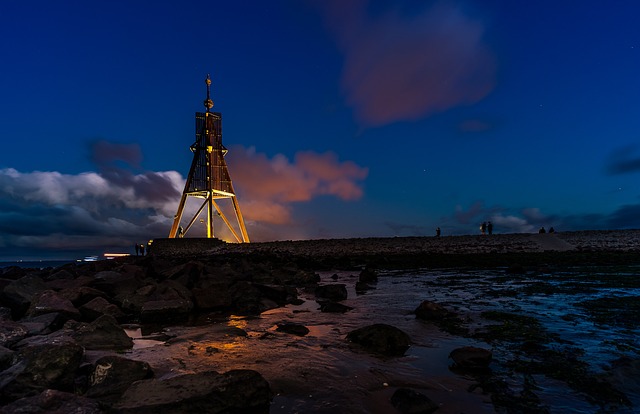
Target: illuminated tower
[(209, 177)]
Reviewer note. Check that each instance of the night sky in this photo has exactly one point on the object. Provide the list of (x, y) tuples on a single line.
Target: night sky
[(342, 118)]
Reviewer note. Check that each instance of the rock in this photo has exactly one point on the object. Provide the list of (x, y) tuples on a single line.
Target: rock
[(49, 301), (212, 297), (112, 375), (103, 333), (7, 358), (115, 283), (362, 287), (235, 391), (61, 274), (281, 295), (408, 401), (81, 295), (46, 361), (333, 307), (97, 307), (471, 357), (335, 292), (12, 272), (381, 339), (18, 294), (368, 275), (164, 310), (11, 332), (53, 402), (431, 311), (44, 324), (293, 328)]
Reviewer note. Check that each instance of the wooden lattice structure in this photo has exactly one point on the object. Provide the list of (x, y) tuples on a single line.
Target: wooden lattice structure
[(209, 178)]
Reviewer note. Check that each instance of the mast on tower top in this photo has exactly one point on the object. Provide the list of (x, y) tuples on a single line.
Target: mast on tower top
[(208, 103)]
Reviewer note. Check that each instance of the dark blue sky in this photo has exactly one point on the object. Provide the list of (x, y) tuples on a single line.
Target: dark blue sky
[(343, 119)]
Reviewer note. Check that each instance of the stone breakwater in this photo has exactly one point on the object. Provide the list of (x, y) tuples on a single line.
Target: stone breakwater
[(593, 240)]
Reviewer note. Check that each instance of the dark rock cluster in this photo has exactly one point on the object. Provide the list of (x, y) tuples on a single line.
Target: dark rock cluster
[(50, 318)]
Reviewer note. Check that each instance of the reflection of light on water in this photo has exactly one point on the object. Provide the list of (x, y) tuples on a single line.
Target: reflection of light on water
[(139, 341), (237, 321)]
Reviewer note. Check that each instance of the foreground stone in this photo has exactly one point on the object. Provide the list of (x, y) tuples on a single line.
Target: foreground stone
[(42, 362), (381, 339), (206, 392), (53, 402), (471, 357), (112, 375)]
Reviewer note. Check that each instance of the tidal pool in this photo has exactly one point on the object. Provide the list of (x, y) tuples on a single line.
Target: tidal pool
[(555, 349)]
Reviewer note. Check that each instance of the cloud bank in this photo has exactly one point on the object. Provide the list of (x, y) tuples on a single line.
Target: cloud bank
[(400, 66), (69, 215)]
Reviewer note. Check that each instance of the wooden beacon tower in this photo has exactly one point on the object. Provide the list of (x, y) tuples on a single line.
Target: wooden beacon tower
[(209, 177)]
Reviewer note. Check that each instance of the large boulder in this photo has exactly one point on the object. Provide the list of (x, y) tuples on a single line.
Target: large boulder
[(103, 333), (111, 375), (7, 358), (99, 306), (165, 310), (19, 294), (335, 292), (49, 301), (213, 297), (49, 361), (53, 402), (11, 332), (237, 391), (381, 339)]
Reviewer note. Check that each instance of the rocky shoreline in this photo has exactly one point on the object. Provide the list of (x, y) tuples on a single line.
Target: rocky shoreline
[(64, 337)]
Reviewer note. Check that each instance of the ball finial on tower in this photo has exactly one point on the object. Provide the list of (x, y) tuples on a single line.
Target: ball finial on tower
[(208, 103)]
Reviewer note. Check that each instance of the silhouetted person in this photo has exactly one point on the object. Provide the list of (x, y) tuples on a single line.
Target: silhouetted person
[(137, 246), (489, 227), (142, 249), (552, 230), (483, 227), (542, 230), (438, 232)]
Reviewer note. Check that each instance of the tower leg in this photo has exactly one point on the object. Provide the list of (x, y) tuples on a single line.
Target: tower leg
[(178, 217)]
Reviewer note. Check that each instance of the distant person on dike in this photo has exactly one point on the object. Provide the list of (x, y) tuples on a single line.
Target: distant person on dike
[(552, 230), (483, 227), (137, 249), (489, 228), (142, 250), (542, 230), (438, 232)]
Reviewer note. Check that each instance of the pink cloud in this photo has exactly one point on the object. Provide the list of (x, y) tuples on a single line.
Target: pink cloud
[(271, 185), (400, 67)]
